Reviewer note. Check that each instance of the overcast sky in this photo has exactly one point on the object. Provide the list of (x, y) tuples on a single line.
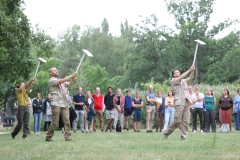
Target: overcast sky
[(57, 15)]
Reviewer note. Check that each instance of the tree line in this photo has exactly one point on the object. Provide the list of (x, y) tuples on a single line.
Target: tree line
[(143, 52)]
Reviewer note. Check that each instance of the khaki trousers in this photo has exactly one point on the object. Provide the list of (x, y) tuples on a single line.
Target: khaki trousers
[(100, 117), (181, 116), (150, 116), (64, 112)]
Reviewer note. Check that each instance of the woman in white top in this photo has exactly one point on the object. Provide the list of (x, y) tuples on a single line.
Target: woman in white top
[(169, 109)]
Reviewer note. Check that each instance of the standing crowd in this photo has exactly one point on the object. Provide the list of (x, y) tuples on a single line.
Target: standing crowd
[(173, 111)]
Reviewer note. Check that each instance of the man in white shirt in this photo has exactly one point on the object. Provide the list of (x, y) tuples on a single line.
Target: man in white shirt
[(197, 109)]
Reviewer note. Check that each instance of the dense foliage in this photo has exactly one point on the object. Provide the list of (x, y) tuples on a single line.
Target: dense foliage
[(142, 52)]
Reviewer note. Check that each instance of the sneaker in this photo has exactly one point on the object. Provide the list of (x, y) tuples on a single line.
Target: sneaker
[(160, 130), (74, 131), (111, 130), (102, 130), (156, 130), (86, 131), (94, 130), (135, 130), (13, 137), (106, 129), (201, 131), (148, 131), (82, 131), (138, 131), (24, 137), (127, 129), (38, 132), (194, 131), (165, 137)]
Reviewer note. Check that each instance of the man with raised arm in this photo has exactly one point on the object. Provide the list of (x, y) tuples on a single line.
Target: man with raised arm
[(182, 100), (23, 110), (59, 103)]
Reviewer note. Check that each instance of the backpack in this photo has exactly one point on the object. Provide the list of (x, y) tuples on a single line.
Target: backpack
[(118, 127), (225, 128)]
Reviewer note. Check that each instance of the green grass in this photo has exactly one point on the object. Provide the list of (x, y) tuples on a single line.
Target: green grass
[(126, 145)]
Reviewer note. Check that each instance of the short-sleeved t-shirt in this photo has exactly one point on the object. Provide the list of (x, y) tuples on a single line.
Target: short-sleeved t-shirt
[(58, 96), (22, 97), (79, 98), (198, 104), (137, 101), (150, 95), (180, 91)]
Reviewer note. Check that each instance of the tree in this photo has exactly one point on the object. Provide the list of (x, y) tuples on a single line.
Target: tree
[(69, 50), (19, 47), (150, 58), (192, 20), (104, 26)]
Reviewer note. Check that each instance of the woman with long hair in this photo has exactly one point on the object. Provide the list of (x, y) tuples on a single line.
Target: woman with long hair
[(226, 103), (210, 103), (89, 111), (169, 109)]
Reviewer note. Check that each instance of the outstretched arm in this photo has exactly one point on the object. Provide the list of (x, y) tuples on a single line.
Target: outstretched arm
[(33, 80), (30, 80), (72, 81), (189, 80), (66, 78)]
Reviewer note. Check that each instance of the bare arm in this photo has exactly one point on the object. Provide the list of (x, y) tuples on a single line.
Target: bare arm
[(71, 82), (28, 82), (67, 78), (150, 100), (140, 105), (166, 101), (189, 80), (33, 80)]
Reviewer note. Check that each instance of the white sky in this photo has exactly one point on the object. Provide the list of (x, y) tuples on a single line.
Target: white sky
[(57, 15)]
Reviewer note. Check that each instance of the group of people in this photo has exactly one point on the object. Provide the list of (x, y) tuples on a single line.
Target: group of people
[(205, 107), (171, 112)]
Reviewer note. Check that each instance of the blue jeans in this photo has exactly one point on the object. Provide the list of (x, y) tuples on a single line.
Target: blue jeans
[(168, 116), (237, 120), (37, 121)]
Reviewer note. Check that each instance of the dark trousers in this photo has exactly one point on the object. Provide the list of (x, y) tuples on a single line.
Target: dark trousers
[(46, 125), (199, 112), (191, 117), (204, 120), (23, 120), (159, 120), (210, 121)]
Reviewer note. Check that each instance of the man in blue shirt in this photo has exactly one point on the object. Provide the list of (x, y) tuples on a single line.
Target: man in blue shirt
[(128, 107), (78, 101)]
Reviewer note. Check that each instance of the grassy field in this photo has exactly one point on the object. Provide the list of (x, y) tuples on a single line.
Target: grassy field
[(126, 145)]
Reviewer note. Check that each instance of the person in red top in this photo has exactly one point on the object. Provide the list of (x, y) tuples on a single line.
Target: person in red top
[(99, 108)]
